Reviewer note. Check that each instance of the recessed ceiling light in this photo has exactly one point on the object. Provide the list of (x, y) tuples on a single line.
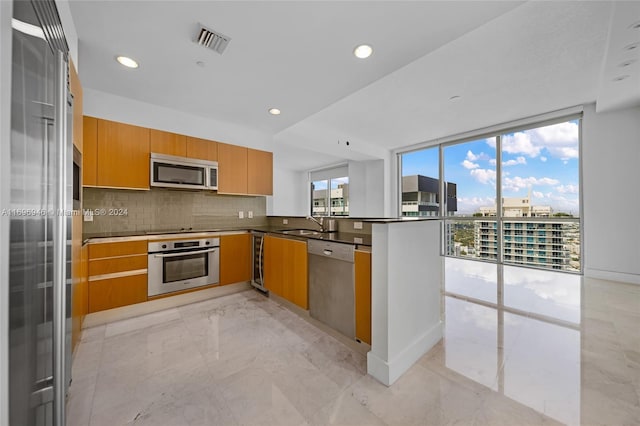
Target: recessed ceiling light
[(626, 63), (621, 77), (274, 111), (455, 98), (363, 51), (635, 25), (200, 64), (127, 62)]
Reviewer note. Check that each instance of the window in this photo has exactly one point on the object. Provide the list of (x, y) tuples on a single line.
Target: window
[(526, 180), (330, 197)]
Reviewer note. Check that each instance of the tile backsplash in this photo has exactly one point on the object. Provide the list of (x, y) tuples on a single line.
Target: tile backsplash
[(119, 210)]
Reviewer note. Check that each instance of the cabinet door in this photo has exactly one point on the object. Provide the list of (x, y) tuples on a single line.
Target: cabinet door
[(202, 149), (235, 258), (273, 258), (89, 151), (232, 169), (76, 91), (116, 292), (123, 155), (295, 267), (260, 172), (363, 295), (167, 143)]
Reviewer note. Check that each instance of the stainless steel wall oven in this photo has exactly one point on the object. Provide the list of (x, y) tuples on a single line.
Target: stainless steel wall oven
[(183, 264)]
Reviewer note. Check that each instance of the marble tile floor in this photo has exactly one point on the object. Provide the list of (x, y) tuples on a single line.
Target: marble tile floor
[(243, 359)]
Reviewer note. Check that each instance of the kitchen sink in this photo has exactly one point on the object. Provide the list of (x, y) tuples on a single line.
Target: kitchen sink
[(301, 232)]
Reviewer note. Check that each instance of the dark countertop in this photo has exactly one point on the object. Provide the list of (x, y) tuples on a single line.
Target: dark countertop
[(339, 237)]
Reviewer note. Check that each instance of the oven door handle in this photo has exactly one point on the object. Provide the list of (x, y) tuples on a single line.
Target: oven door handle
[(186, 253)]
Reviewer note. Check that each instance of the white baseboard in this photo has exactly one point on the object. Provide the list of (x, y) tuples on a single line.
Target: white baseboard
[(388, 372), (612, 276)]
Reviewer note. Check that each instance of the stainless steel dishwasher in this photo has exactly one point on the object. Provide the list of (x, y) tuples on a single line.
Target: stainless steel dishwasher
[(332, 285)]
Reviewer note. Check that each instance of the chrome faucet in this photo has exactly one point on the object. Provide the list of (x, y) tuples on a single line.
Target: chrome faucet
[(319, 222)]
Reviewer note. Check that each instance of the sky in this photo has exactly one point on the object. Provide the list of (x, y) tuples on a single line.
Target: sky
[(543, 160)]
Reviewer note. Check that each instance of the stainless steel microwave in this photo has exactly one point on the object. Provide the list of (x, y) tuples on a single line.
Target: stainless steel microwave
[(180, 172)]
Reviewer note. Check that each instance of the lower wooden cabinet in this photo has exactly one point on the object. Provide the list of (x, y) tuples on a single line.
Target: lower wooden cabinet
[(235, 258), (363, 295), (115, 292), (117, 274), (286, 269)]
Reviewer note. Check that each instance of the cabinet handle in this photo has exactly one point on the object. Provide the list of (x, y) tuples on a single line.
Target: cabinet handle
[(186, 253), (327, 252)]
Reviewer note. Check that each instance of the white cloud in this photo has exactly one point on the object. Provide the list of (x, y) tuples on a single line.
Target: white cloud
[(560, 140), (512, 162), (538, 194), (472, 204), (469, 165), (567, 189), (543, 159), (516, 183), (484, 175), (472, 157), (493, 161)]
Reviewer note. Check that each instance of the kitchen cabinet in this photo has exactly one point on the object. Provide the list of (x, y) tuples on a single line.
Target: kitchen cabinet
[(363, 295), (167, 143), (117, 274), (232, 169), (235, 258), (260, 172), (202, 149), (89, 151), (122, 155), (286, 269)]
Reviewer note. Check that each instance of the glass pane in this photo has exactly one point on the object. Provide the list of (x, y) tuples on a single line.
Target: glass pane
[(540, 178), (185, 267), (421, 183), (319, 198), (470, 173), (478, 280), (340, 196)]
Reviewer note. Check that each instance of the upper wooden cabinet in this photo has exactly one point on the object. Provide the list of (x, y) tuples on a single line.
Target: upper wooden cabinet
[(115, 155), (260, 172), (76, 91), (90, 151), (232, 169), (202, 149), (167, 143)]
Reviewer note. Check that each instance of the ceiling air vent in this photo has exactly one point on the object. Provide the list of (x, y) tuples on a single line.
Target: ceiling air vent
[(211, 39)]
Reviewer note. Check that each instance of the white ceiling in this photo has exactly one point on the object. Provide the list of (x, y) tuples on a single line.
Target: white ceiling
[(506, 60)]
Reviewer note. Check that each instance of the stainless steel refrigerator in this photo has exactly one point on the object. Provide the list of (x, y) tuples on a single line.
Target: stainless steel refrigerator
[(39, 205)]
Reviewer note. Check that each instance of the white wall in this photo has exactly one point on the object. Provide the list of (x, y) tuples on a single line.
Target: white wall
[(406, 280), (366, 188), (117, 108), (6, 12), (290, 193), (611, 199)]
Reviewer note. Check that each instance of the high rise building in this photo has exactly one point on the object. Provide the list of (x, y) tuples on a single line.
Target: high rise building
[(543, 244)]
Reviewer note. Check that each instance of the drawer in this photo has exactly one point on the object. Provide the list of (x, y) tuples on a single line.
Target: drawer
[(101, 250), (117, 264), (116, 292)]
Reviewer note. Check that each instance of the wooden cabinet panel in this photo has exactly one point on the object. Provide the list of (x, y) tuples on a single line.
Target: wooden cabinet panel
[(117, 264), (232, 169), (260, 172), (76, 91), (167, 143), (100, 250), (90, 151), (202, 149), (286, 269), (116, 292), (235, 258), (363, 295), (273, 276), (123, 155)]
